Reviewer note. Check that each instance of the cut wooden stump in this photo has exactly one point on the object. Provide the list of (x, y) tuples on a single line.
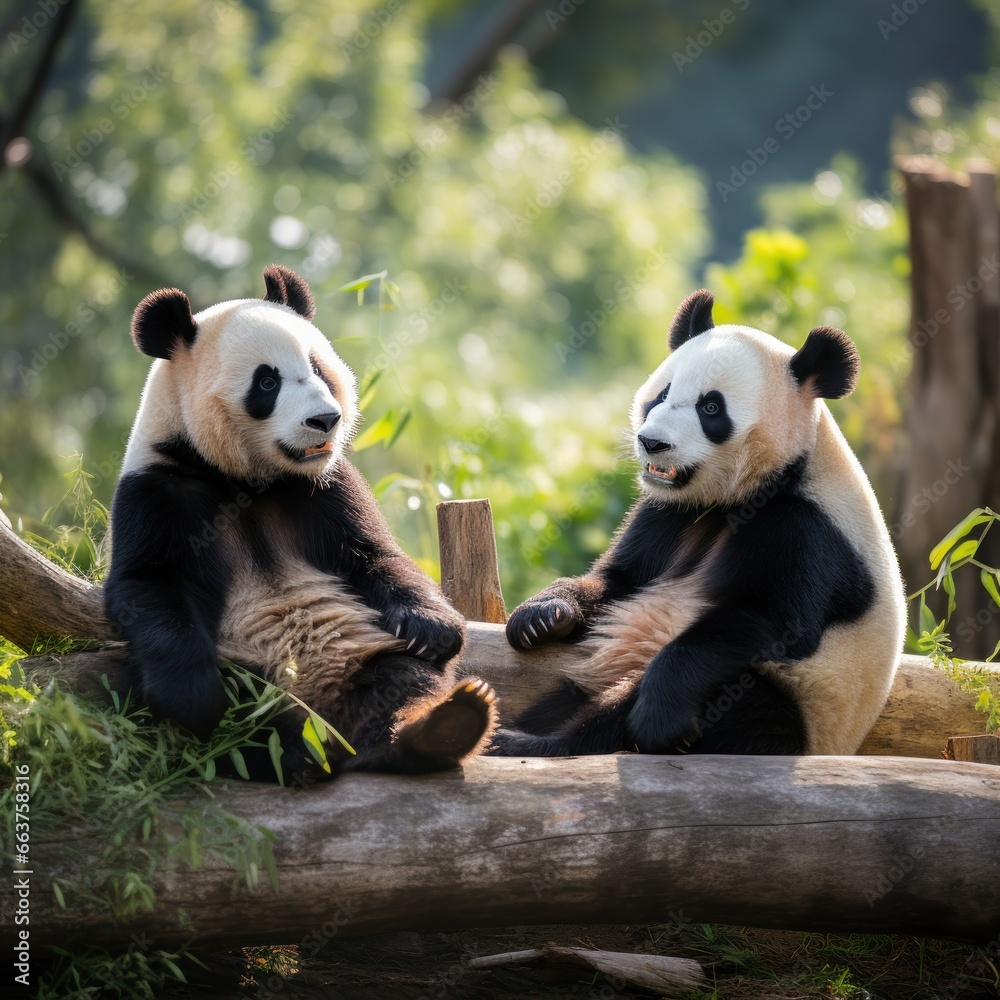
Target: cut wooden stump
[(470, 578), (979, 749), (877, 844)]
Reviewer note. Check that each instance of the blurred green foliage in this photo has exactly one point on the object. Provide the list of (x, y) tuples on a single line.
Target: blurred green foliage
[(537, 260)]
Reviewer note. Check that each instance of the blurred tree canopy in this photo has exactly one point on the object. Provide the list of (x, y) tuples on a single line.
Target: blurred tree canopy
[(537, 258)]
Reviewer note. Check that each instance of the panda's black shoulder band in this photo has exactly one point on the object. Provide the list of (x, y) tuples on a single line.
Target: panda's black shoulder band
[(286, 288), (161, 321), (693, 316)]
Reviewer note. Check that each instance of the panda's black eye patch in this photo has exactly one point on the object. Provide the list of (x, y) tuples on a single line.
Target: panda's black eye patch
[(716, 423), (647, 407), (320, 374), (261, 397)]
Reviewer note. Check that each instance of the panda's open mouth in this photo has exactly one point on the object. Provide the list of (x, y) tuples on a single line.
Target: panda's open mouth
[(673, 476), (323, 450)]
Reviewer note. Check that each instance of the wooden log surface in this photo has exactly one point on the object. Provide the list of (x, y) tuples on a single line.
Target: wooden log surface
[(470, 578), (39, 598), (877, 844)]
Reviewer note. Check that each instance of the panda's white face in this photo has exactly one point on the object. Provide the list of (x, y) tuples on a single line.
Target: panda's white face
[(263, 393), (719, 416)]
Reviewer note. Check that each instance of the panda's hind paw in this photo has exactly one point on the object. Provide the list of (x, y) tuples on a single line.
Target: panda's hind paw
[(452, 729)]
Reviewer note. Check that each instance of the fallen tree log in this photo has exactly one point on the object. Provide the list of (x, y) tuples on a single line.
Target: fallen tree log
[(924, 707), (747, 840)]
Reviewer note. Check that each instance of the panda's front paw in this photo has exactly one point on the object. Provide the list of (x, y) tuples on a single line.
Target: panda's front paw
[(436, 637), (653, 728), (542, 620)]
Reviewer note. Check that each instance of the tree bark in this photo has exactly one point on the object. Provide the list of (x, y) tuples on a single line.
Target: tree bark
[(980, 749), (954, 385), (37, 598), (622, 839)]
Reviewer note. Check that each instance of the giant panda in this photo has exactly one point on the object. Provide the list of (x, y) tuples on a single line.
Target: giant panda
[(240, 530), (751, 602)]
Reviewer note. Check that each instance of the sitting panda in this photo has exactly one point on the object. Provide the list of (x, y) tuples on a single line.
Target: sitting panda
[(751, 602), (240, 530)]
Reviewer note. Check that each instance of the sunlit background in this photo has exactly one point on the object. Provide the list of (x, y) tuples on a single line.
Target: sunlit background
[(542, 182)]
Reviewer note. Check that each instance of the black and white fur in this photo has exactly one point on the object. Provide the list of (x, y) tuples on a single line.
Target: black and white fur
[(751, 602), (240, 530)]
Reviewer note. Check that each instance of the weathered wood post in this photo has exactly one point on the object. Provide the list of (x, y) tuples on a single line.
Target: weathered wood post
[(470, 574), (953, 413)]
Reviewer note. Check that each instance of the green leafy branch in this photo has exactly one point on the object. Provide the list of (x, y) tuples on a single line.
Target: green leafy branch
[(958, 549)]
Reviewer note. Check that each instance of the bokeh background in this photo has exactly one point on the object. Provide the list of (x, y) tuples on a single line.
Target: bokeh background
[(540, 182)]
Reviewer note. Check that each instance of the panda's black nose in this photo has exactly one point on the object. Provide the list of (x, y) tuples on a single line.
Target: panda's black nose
[(652, 445), (322, 422)]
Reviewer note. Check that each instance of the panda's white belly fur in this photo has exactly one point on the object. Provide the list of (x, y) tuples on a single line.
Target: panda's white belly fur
[(842, 687), (304, 627)]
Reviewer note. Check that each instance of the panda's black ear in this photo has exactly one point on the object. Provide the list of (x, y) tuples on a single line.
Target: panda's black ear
[(287, 289), (828, 363), (693, 316), (161, 321)]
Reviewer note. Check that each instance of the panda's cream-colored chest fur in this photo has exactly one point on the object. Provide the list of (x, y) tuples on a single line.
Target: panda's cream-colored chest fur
[(303, 627)]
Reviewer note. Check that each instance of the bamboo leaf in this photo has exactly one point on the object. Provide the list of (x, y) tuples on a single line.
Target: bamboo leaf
[(274, 749), (385, 430), (990, 583), (174, 970), (310, 733), (360, 284), (240, 764), (979, 516), (927, 621), (949, 588)]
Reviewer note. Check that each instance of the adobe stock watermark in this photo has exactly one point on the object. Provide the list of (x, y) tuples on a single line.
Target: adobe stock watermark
[(121, 106), (375, 23), (899, 14), (786, 128), (586, 499), (419, 322), (554, 16), (251, 149), (920, 503), (624, 289), (447, 123), (875, 212), (713, 28), (553, 188), (44, 11), (957, 297), (86, 312)]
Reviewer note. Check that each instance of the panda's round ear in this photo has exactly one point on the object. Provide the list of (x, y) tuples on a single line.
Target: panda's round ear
[(286, 288), (161, 321), (693, 316), (827, 364)]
